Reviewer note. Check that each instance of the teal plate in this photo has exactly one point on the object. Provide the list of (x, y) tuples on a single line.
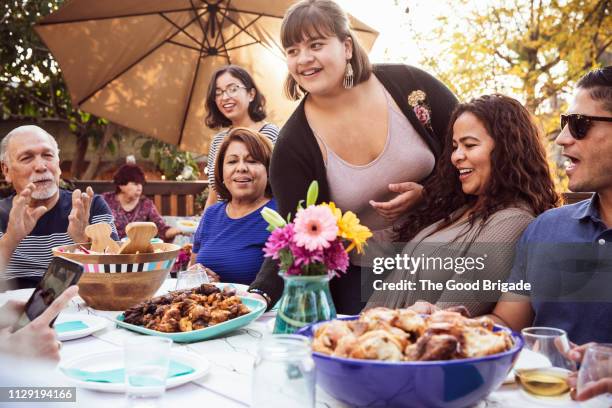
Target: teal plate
[(257, 308)]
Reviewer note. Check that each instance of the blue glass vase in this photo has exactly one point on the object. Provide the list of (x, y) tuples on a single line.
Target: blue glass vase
[(305, 300)]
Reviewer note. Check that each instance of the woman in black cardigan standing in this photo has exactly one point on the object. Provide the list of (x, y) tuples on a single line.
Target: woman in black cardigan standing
[(369, 135)]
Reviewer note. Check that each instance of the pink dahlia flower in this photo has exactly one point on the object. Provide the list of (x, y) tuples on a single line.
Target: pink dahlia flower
[(422, 114), (303, 256), (335, 257), (315, 227), (279, 239)]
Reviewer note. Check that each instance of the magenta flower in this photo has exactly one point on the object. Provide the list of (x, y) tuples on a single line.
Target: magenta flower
[(279, 239), (302, 256), (315, 227), (335, 257), (181, 261), (422, 114)]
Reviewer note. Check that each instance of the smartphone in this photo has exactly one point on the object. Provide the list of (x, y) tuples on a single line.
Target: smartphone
[(61, 274)]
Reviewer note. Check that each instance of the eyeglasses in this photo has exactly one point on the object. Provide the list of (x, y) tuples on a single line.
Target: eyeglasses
[(230, 91), (579, 125)]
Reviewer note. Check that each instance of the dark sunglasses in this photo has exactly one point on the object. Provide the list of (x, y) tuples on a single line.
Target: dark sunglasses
[(579, 125)]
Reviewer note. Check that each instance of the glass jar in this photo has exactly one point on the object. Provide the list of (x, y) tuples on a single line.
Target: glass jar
[(305, 300), (283, 373)]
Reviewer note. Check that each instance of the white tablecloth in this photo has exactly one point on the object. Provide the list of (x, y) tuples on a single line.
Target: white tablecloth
[(228, 383)]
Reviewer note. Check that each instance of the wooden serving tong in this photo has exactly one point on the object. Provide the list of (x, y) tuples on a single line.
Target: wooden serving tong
[(139, 238), (101, 241)]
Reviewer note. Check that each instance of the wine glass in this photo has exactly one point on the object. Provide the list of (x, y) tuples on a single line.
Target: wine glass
[(191, 278), (549, 377), (596, 365)]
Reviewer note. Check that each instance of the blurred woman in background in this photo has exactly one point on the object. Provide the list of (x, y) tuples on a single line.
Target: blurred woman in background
[(129, 205)]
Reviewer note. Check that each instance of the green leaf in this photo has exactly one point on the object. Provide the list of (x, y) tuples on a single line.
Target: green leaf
[(316, 268), (145, 149), (313, 193), (112, 147), (273, 218), (29, 111), (286, 259)]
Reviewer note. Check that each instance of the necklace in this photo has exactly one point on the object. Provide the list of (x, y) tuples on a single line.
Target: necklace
[(249, 209)]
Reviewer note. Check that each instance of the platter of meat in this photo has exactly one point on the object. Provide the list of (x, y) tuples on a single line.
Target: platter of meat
[(192, 315)]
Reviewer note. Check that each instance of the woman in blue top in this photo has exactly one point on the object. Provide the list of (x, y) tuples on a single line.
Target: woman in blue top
[(232, 233)]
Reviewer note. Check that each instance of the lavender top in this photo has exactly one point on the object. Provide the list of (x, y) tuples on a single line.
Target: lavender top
[(144, 211)]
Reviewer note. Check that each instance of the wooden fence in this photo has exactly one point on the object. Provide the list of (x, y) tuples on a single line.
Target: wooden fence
[(176, 198)]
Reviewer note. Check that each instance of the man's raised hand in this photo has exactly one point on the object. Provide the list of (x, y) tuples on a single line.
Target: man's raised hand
[(23, 217), (78, 219)]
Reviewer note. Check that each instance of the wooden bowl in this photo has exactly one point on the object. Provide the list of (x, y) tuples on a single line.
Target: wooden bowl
[(117, 282)]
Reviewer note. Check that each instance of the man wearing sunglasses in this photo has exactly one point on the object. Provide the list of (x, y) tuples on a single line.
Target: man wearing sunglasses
[(586, 133), (566, 253)]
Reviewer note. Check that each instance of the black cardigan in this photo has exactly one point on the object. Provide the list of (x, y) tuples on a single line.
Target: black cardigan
[(297, 161)]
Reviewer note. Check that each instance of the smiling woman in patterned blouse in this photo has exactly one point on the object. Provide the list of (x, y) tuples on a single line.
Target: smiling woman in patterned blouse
[(129, 205)]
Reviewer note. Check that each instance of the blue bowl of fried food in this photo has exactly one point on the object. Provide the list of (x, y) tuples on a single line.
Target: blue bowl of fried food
[(398, 358)]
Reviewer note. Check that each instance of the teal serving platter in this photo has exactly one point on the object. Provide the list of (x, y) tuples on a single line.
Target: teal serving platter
[(257, 309)]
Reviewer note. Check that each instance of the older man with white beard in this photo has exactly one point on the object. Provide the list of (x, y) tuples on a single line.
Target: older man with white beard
[(40, 215)]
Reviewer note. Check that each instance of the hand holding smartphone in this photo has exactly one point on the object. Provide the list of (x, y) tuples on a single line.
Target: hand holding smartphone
[(61, 274), (37, 340)]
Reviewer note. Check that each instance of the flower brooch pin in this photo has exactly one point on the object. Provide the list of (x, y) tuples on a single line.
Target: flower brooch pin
[(418, 101)]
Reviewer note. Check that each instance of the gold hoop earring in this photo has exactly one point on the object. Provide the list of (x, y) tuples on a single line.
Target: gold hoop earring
[(348, 76)]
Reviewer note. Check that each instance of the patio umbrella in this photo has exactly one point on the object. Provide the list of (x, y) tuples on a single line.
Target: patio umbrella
[(146, 64)]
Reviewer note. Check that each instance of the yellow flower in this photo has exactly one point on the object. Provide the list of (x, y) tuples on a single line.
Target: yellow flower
[(350, 229), (335, 210)]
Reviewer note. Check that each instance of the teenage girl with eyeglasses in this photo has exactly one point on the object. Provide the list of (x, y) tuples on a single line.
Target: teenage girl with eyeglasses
[(233, 100)]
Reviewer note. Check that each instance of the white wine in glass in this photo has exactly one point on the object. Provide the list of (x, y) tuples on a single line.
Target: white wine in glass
[(549, 380)]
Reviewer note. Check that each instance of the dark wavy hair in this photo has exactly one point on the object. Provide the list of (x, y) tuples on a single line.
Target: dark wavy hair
[(519, 170), (599, 84), (258, 146), (257, 108), (128, 173)]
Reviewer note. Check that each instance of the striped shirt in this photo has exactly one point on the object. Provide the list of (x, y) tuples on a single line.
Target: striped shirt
[(269, 130), (33, 254)]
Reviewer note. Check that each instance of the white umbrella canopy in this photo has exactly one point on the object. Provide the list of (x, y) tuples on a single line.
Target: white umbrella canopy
[(146, 64)]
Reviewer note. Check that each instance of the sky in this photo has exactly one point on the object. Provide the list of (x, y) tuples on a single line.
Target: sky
[(394, 43)]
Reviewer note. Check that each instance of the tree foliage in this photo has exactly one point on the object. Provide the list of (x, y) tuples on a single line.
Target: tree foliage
[(31, 85), (536, 48), (532, 49), (170, 161)]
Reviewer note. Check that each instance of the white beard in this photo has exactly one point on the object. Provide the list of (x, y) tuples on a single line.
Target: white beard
[(45, 193)]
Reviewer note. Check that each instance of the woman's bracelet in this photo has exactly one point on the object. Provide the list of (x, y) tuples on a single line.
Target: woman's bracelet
[(262, 294)]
